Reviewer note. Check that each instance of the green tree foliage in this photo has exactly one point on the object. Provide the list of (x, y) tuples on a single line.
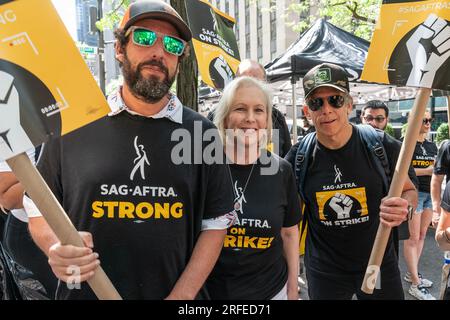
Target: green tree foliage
[(403, 131), (389, 130), (355, 16), (112, 18), (442, 133)]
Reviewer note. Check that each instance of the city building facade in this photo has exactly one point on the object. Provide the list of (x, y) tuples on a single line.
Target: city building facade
[(262, 27), (83, 21)]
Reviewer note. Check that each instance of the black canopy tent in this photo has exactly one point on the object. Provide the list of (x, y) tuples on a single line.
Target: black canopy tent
[(324, 42)]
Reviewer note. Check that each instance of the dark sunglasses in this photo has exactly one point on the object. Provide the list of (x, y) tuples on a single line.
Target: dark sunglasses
[(377, 118), (427, 121), (335, 101), (147, 38)]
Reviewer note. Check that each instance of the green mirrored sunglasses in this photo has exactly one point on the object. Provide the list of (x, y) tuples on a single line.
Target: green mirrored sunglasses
[(147, 38)]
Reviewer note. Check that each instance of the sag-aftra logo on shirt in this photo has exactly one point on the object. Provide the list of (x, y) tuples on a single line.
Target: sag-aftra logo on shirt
[(342, 203), (134, 208)]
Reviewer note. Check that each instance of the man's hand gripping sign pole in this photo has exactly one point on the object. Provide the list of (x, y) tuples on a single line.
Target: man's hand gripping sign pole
[(411, 46), (45, 90)]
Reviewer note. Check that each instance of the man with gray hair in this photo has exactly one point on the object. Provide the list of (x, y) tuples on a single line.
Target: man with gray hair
[(344, 196)]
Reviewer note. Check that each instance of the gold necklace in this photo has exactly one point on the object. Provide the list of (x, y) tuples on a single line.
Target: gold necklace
[(239, 197)]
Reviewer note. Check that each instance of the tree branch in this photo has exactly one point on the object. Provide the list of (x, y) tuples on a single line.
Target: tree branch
[(355, 13), (338, 4), (117, 8)]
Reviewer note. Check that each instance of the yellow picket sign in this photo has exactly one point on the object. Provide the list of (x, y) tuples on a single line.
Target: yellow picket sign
[(410, 47), (405, 34), (214, 43), (50, 84), (46, 89)]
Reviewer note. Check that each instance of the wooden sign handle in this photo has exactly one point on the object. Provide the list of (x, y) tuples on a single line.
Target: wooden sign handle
[(57, 219), (401, 172)]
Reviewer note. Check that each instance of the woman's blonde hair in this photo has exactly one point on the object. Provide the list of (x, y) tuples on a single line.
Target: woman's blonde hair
[(223, 108)]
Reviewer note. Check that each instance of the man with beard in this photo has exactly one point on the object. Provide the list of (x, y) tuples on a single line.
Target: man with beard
[(157, 223)]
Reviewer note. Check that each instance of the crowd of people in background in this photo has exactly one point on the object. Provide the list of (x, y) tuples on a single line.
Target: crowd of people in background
[(223, 230)]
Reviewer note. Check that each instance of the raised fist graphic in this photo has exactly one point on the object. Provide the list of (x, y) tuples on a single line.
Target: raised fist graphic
[(11, 132), (424, 68), (341, 204), (220, 72)]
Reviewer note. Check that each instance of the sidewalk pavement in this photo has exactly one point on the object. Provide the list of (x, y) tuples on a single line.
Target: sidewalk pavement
[(430, 266)]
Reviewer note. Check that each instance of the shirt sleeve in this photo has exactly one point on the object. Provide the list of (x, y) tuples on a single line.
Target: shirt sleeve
[(392, 148), (290, 156), (283, 132), (293, 210), (49, 166), (434, 148), (442, 163), (30, 208), (219, 213), (445, 202), (5, 168), (219, 192), (220, 223)]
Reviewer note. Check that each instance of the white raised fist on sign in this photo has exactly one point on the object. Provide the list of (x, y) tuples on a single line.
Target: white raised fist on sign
[(224, 70), (341, 204), (12, 135), (424, 68)]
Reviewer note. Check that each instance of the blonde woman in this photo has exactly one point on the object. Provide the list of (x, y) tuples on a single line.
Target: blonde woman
[(259, 259), (423, 162)]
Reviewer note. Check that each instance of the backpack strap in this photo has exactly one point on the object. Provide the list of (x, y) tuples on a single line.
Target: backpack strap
[(304, 152), (373, 139)]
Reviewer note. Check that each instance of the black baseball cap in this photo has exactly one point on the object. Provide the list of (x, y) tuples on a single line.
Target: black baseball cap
[(155, 9), (325, 75)]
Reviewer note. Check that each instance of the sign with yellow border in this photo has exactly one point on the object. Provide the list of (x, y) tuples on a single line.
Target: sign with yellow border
[(411, 45), (46, 89), (214, 43)]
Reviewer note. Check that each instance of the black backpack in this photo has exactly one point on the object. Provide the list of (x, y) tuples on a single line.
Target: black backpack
[(373, 139)]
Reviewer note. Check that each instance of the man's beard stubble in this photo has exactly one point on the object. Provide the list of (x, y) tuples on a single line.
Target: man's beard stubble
[(151, 89)]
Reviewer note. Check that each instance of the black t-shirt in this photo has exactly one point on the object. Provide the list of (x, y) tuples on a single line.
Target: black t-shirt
[(343, 193), (445, 202), (116, 179), (279, 124), (252, 264), (442, 164), (423, 157)]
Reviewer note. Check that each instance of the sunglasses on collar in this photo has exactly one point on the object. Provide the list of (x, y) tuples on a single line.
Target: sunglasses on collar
[(336, 101), (146, 38)]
